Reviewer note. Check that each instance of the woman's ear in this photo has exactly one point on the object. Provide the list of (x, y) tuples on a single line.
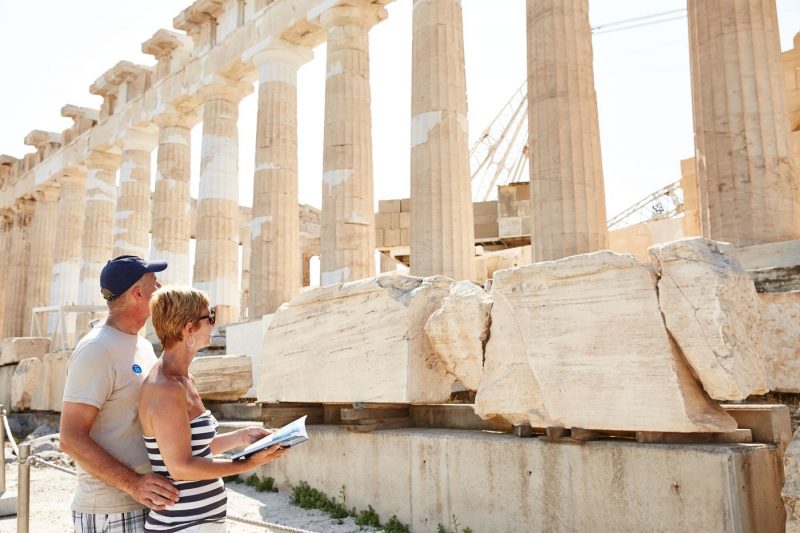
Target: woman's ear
[(188, 329)]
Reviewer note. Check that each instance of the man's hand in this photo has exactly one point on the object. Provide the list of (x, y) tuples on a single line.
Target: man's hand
[(154, 491)]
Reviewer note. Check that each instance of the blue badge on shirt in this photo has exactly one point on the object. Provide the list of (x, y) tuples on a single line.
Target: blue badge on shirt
[(136, 369)]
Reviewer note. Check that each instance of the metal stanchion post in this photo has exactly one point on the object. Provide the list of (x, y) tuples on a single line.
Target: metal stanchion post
[(23, 489), (2, 450)]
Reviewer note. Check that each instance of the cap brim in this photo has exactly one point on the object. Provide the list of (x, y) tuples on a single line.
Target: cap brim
[(155, 266)]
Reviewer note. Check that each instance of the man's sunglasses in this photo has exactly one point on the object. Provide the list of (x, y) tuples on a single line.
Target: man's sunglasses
[(211, 316)]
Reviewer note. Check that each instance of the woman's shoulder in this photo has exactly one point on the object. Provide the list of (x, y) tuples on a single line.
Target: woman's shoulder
[(158, 389)]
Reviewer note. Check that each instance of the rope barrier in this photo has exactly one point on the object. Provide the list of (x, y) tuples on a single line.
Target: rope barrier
[(39, 461)]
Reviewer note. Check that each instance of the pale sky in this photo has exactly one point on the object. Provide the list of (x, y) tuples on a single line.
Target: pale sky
[(52, 50)]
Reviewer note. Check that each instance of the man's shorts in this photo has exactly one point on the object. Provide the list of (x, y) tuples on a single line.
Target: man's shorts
[(131, 522)]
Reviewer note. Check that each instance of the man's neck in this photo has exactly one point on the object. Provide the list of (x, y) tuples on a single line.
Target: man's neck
[(124, 323)]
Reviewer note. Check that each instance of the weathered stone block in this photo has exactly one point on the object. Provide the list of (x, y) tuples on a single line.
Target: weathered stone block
[(222, 377), (780, 316), (54, 367), (15, 349), (25, 384), (6, 373), (599, 353), (248, 338), (791, 486), (459, 329), (711, 309), (358, 341)]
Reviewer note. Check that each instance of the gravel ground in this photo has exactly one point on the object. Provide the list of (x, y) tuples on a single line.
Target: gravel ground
[(51, 494)]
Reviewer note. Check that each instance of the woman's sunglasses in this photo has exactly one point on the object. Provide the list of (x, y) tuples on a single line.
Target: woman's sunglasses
[(211, 316)]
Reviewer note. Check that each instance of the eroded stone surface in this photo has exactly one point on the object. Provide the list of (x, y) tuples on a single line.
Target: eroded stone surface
[(791, 486), (222, 377), (6, 373), (780, 316), (15, 349), (25, 384), (54, 369), (357, 341), (711, 309), (459, 329), (596, 344)]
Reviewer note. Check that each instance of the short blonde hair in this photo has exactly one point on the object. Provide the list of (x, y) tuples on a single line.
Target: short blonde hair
[(174, 307)]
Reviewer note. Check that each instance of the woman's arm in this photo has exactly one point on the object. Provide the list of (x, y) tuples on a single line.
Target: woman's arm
[(173, 435), (241, 437)]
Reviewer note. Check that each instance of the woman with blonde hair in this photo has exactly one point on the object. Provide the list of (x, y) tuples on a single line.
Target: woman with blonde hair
[(179, 432)]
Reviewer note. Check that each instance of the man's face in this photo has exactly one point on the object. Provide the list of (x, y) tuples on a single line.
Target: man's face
[(149, 285)]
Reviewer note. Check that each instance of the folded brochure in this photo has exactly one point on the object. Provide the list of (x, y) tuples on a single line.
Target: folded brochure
[(289, 435)]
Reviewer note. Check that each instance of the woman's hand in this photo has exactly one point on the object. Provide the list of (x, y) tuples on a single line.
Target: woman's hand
[(252, 434), (267, 455)]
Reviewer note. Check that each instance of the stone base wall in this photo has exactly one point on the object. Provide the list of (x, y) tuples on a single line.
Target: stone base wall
[(501, 483)]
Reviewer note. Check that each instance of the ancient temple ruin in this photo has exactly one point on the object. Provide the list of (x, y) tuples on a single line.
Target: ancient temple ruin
[(631, 354)]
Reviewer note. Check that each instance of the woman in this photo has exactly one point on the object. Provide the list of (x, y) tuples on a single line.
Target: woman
[(179, 432)]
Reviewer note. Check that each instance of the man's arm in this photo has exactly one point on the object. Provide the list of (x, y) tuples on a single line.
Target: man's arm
[(77, 419)]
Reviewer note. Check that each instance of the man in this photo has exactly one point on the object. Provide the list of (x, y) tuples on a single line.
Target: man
[(100, 427)]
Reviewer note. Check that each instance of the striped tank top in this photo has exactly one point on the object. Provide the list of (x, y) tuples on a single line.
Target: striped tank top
[(200, 501)]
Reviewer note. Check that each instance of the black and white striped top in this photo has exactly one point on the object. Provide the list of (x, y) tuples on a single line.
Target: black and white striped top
[(200, 501)]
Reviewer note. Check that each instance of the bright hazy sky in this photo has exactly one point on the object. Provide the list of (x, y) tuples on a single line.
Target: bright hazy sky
[(52, 50)]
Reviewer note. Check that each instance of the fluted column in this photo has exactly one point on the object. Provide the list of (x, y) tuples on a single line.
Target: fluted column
[(442, 233), (6, 223), (133, 212), (69, 244), (744, 153), (567, 194), (347, 235), (18, 260), (275, 227), (98, 234), (171, 200), (43, 241), (216, 267)]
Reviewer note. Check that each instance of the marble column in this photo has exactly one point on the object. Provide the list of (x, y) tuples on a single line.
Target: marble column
[(98, 235), (442, 232), (6, 223), (567, 193), (347, 235), (275, 228), (68, 246), (171, 200), (133, 212), (17, 270), (748, 194), (40, 267), (216, 267)]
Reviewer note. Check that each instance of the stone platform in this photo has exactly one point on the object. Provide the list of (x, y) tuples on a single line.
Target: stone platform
[(501, 483)]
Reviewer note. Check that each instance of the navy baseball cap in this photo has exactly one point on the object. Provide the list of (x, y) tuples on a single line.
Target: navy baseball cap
[(122, 272)]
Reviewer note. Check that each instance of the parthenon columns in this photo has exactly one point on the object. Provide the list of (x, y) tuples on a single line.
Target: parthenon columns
[(69, 242), (42, 244), (275, 226), (133, 213), (171, 230), (17, 273), (442, 233), (567, 194), (98, 235), (6, 223), (347, 235), (748, 194), (216, 252)]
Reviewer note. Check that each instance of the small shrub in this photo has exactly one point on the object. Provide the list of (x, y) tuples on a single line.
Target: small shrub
[(394, 525), (232, 479), (266, 484), (368, 518), (440, 529), (306, 497)]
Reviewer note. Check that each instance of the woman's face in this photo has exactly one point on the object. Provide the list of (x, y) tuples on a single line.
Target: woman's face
[(203, 334)]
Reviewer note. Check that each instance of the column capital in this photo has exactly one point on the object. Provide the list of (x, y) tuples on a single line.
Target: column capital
[(216, 86), (40, 139), (358, 12), (48, 193), (143, 139), (176, 119), (75, 174), (270, 50), (99, 159), (23, 207)]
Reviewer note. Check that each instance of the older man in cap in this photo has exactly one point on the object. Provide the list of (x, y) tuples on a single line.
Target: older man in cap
[(99, 423)]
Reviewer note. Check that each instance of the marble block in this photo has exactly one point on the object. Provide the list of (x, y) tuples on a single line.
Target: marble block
[(15, 349), (780, 316), (222, 377), (459, 329), (711, 309), (361, 341)]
